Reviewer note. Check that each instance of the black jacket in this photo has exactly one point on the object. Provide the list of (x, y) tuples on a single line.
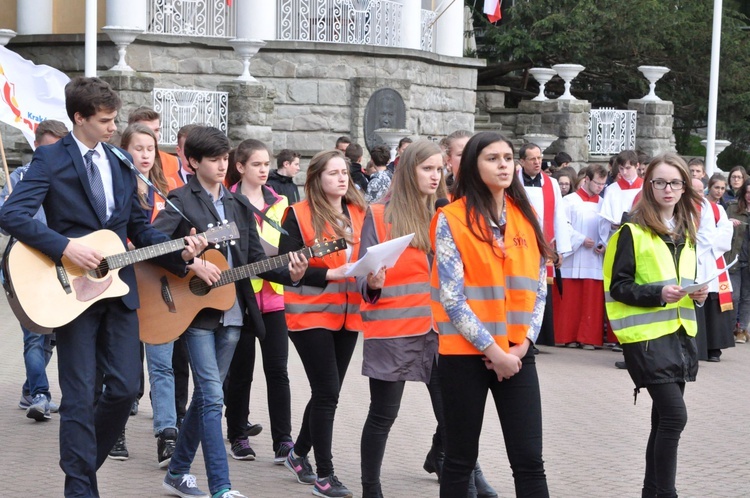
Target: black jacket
[(283, 185), (670, 358), (358, 177), (195, 202)]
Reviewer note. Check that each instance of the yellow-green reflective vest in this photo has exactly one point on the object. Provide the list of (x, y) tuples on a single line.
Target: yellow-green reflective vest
[(655, 266), (272, 236)]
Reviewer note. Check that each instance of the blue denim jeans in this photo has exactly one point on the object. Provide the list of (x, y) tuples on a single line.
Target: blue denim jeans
[(37, 351), (161, 380), (210, 354)]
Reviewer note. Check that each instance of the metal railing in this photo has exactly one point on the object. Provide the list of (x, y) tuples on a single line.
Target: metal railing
[(183, 107), (611, 131), (428, 30), (362, 22), (202, 18)]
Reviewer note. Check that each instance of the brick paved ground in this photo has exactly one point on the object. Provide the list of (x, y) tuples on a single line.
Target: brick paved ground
[(593, 446)]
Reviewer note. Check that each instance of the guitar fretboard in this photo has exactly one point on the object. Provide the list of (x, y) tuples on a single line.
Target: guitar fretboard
[(252, 269), (144, 253)]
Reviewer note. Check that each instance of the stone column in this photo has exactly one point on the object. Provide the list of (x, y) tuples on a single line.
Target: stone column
[(450, 31), (256, 19), (566, 119), (653, 133), (251, 110), (34, 18), (127, 13), (411, 24)]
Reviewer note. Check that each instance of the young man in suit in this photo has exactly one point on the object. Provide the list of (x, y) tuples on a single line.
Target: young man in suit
[(84, 187), (213, 335)]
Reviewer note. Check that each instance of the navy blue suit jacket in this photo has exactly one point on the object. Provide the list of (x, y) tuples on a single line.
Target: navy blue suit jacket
[(57, 180)]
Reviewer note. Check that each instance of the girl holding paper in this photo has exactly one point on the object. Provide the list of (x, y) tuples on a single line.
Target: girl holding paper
[(489, 287), (322, 310), (647, 264), (400, 344)]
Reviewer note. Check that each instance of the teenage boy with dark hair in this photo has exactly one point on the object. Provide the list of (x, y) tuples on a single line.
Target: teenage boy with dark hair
[(212, 336), (281, 180), (84, 187), (354, 153), (342, 143)]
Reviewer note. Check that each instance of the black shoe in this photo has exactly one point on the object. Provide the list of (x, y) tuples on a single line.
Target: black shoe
[(484, 490), (433, 463), (119, 451), (714, 359), (165, 445), (472, 492), (134, 408), (372, 491), (253, 429), (621, 365)]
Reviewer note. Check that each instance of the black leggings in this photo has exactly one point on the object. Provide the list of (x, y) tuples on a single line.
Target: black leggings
[(668, 419), (325, 355), (275, 350), (385, 401), (464, 381)]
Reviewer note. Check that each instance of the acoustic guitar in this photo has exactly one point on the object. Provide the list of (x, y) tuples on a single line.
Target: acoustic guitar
[(169, 304), (45, 295)]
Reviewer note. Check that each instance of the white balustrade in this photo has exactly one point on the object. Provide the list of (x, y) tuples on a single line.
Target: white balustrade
[(362, 22), (180, 107), (428, 30), (201, 18), (611, 131)]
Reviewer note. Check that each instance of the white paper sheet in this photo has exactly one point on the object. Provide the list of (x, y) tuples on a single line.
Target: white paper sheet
[(378, 256), (698, 286)]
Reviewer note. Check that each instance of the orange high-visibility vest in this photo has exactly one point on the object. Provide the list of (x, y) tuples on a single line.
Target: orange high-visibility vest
[(500, 285), (404, 306), (335, 306)]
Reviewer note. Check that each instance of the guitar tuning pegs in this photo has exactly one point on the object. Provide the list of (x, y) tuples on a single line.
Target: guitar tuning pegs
[(231, 242), (226, 222), (210, 225), (217, 246)]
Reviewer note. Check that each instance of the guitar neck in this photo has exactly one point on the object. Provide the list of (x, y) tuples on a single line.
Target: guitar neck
[(252, 269), (144, 253)]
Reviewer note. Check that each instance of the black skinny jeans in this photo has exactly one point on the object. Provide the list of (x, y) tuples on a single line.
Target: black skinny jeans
[(385, 401), (668, 419), (325, 354), (464, 381), (275, 350)]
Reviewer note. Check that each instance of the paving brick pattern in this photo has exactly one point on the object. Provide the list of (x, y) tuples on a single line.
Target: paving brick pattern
[(594, 437)]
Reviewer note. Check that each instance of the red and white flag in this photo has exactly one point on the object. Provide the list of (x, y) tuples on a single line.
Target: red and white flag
[(492, 9), (30, 94)]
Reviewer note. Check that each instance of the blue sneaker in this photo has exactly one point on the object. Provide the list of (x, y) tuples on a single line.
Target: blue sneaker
[(26, 401), (183, 485), (39, 409)]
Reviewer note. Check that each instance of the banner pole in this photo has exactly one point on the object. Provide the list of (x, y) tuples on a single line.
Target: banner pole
[(5, 166)]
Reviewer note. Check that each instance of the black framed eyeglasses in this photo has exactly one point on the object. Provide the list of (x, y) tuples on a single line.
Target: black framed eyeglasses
[(674, 184)]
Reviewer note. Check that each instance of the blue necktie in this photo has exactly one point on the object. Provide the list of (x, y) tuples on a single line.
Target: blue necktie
[(97, 187)]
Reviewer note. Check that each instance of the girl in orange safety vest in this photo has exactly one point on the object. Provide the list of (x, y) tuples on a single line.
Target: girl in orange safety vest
[(322, 310), (488, 290)]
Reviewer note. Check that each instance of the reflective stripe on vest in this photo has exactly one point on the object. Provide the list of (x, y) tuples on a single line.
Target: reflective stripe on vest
[(335, 306), (655, 266), (272, 236), (403, 309), (500, 286)]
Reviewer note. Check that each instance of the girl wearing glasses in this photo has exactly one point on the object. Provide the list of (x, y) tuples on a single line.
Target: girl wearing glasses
[(648, 264)]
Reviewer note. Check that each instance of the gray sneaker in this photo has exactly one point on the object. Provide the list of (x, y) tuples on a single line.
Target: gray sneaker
[(26, 401), (39, 409), (183, 485)]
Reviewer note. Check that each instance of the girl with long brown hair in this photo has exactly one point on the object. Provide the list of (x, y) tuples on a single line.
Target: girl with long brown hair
[(648, 263), (322, 310)]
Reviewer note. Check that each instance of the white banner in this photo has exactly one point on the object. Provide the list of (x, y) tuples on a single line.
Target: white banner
[(30, 94)]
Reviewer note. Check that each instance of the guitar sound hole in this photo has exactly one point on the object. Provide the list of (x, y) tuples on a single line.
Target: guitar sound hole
[(199, 287), (100, 271)]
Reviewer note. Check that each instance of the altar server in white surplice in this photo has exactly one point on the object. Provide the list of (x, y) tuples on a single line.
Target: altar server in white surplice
[(619, 197), (544, 195), (579, 312)]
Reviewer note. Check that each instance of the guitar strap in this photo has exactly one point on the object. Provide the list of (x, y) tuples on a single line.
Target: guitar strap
[(145, 179), (267, 219)]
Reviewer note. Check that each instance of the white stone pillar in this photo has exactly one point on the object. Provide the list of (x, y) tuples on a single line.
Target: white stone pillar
[(411, 24), (256, 19), (127, 13), (450, 30), (34, 18)]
